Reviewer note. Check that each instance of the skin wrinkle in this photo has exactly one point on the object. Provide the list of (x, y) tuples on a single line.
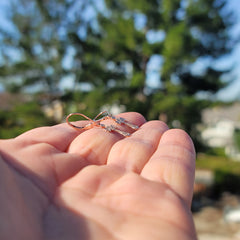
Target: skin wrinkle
[(49, 161), (54, 131), (86, 169), (165, 177), (72, 158), (172, 223), (121, 179), (54, 168), (66, 147), (67, 150), (111, 233), (175, 159), (89, 152), (153, 130), (52, 153), (151, 146), (90, 196), (164, 156), (176, 144), (111, 210), (146, 143), (98, 223), (94, 146), (96, 196), (134, 143), (87, 216), (157, 141), (152, 219), (156, 147)]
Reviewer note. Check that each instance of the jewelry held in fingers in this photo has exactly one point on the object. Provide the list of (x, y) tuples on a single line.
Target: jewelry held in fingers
[(120, 120), (97, 122)]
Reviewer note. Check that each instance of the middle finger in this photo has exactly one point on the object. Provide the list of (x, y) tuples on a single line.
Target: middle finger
[(132, 153)]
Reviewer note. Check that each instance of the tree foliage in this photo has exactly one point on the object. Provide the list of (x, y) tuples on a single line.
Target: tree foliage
[(20, 118), (186, 32), (49, 38), (110, 45)]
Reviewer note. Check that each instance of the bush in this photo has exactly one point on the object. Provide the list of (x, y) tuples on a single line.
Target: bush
[(21, 118)]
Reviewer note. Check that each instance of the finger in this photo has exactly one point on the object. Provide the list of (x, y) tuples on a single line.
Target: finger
[(94, 144), (59, 136), (46, 166), (132, 153), (173, 163)]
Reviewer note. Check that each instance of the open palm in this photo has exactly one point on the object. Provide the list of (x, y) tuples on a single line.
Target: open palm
[(58, 183)]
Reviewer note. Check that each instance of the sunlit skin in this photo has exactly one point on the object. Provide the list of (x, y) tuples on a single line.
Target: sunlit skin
[(59, 183)]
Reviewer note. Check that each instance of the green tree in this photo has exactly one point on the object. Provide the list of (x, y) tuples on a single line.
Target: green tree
[(22, 117), (110, 45), (50, 40), (180, 33)]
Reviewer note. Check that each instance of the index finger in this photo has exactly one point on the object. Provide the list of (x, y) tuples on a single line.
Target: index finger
[(58, 136)]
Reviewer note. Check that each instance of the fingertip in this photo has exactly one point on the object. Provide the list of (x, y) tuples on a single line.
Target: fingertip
[(134, 117), (178, 137)]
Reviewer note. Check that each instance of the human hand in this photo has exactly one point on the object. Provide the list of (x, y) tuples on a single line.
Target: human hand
[(58, 183)]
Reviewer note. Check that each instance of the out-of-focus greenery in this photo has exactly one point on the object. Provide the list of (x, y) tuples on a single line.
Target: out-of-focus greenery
[(20, 118), (226, 173), (102, 50), (237, 138), (220, 152), (217, 163)]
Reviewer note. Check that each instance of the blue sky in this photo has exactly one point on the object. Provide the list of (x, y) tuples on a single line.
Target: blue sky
[(231, 92)]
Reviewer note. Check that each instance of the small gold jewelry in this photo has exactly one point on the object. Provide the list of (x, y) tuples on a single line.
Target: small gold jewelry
[(96, 122)]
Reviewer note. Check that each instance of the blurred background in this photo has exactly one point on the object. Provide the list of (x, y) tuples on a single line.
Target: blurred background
[(176, 61)]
